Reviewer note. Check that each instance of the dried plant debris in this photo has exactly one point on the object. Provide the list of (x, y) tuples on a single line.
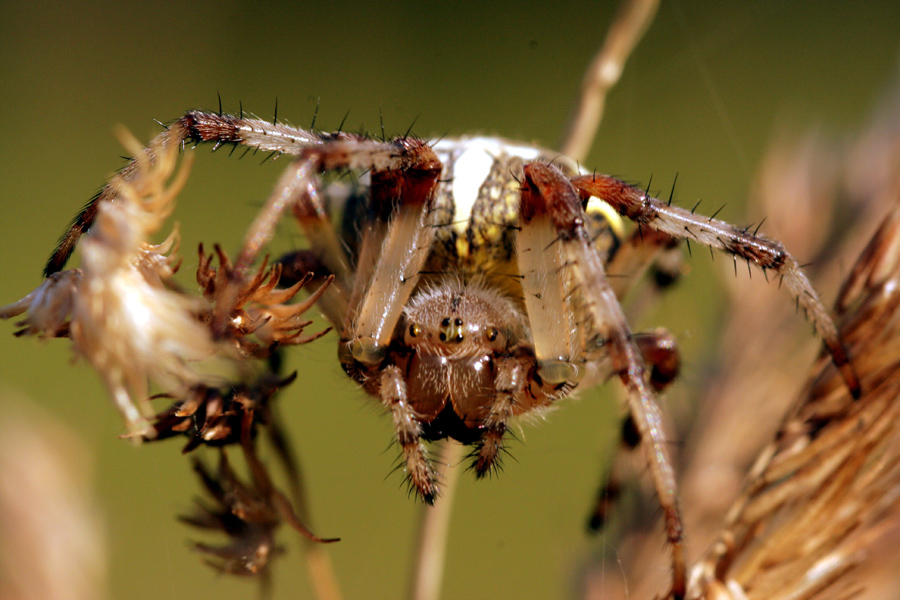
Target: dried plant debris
[(119, 309), (827, 488), (137, 327), (212, 353), (247, 512), (260, 309), (216, 417)]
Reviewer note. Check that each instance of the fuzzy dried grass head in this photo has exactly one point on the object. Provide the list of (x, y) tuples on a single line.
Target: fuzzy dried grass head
[(120, 309), (209, 352), (828, 486)]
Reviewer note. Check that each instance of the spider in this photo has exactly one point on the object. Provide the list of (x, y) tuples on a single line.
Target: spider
[(471, 281)]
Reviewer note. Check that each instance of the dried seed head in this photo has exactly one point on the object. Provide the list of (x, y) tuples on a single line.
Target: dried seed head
[(248, 512), (242, 513), (259, 318), (49, 307), (118, 309)]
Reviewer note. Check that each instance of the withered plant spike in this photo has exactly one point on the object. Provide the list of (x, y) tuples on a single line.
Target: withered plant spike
[(826, 489), (263, 483), (249, 513)]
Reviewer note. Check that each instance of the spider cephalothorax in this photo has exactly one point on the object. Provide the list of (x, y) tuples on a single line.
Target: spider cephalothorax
[(462, 353), (470, 285)]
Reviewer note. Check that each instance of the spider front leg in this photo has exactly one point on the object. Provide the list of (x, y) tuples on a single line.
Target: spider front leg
[(393, 393), (766, 254), (323, 151), (197, 127), (396, 242), (404, 170), (556, 255)]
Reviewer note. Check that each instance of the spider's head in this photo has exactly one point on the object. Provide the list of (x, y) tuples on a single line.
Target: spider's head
[(457, 320)]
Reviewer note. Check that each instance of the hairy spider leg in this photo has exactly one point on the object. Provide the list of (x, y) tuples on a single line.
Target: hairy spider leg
[(766, 254), (195, 126), (660, 353), (551, 203)]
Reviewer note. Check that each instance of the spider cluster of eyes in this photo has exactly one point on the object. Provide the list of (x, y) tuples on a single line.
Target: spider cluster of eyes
[(481, 321)]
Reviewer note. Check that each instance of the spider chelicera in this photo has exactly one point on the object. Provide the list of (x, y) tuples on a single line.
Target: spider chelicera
[(471, 281)]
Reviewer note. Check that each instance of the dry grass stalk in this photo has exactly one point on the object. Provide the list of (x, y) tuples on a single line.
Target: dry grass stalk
[(631, 22), (52, 545)]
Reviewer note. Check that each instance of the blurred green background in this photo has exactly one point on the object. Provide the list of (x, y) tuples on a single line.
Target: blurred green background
[(707, 89)]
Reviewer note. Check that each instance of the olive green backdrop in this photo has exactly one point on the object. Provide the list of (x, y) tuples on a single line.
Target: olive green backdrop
[(701, 97)]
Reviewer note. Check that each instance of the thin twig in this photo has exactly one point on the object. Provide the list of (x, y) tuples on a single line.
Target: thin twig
[(431, 535), (632, 20)]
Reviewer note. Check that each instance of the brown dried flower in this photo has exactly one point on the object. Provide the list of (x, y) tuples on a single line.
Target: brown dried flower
[(215, 417), (258, 308), (248, 512)]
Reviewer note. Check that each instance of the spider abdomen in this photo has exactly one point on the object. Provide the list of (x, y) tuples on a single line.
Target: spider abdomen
[(476, 205)]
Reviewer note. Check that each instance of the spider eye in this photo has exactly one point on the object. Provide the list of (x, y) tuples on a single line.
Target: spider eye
[(445, 322), (492, 334), (414, 330)]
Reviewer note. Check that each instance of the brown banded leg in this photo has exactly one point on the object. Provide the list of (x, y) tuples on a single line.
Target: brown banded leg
[(409, 434), (768, 255), (549, 197), (661, 355)]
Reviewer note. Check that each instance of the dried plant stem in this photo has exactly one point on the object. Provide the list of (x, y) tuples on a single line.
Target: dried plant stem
[(318, 562), (632, 20), (431, 538), (321, 571)]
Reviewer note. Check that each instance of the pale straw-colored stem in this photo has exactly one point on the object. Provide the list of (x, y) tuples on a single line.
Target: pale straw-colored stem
[(434, 523), (632, 20)]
